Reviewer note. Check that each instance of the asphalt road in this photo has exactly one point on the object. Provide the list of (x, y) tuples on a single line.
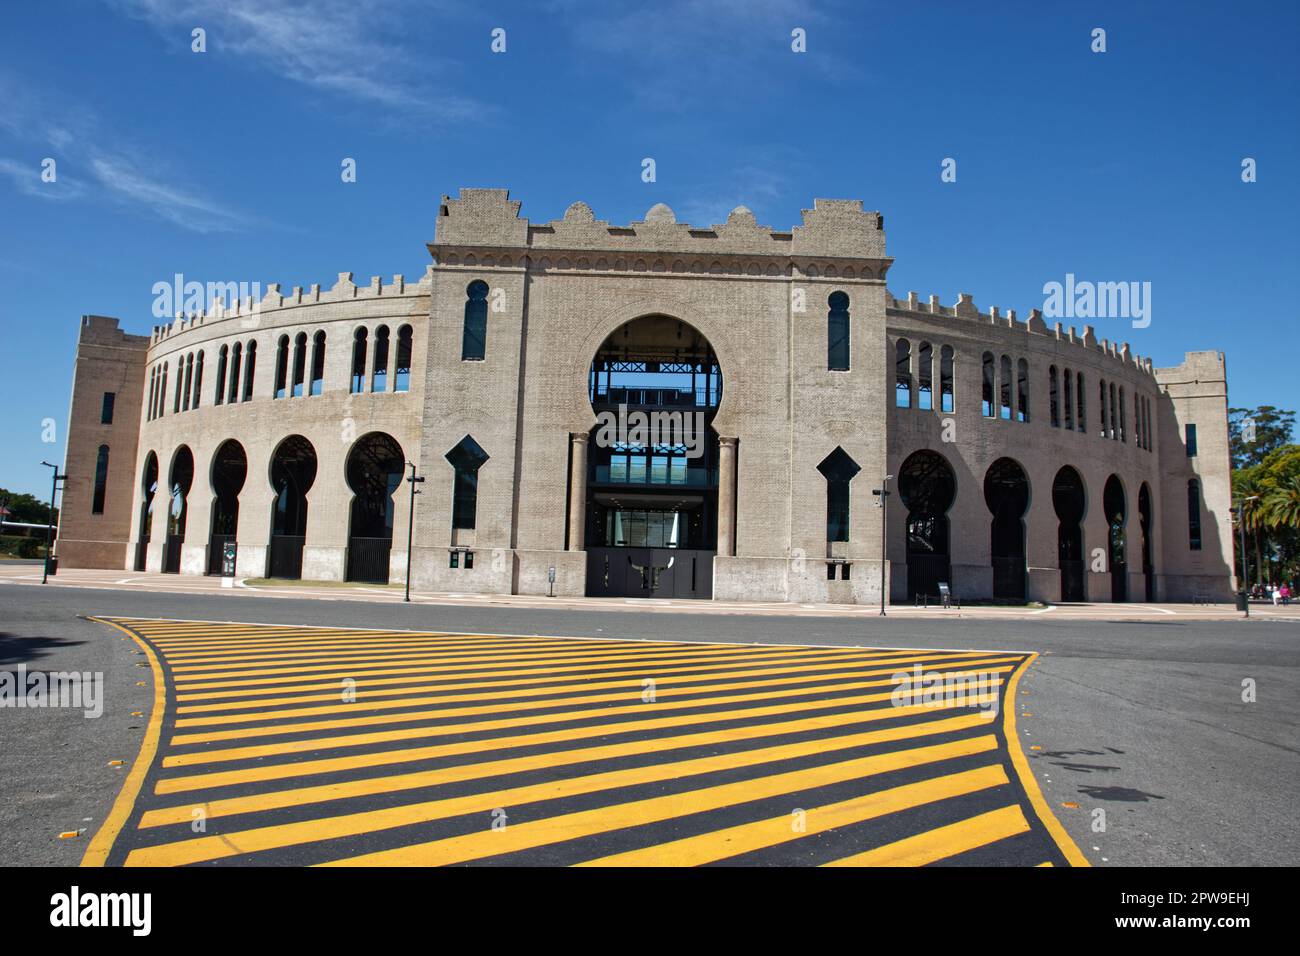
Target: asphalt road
[(1143, 722)]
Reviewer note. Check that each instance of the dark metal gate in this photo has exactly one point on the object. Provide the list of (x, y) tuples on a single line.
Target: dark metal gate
[(1009, 579), (368, 559), (172, 554), (286, 555), (141, 554), (649, 572), (1119, 582), (925, 572), (1072, 588), (216, 549)]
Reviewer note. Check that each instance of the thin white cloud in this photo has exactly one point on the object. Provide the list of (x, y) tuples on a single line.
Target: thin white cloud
[(356, 49)]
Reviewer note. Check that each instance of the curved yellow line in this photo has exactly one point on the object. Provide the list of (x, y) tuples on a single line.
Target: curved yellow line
[(98, 850), (1018, 760)]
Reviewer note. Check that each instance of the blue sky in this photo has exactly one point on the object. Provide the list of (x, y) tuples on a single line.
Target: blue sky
[(224, 165)]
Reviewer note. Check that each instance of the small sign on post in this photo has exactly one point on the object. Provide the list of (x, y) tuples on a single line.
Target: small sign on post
[(550, 581), (228, 565), (945, 595)]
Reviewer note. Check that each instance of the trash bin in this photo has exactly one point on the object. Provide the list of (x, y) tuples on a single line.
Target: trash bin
[(1241, 600), (52, 565)]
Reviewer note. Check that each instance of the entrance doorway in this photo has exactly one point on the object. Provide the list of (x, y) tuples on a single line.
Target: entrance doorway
[(1117, 517), (927, 487), (1069, 501), (1144, 520), (149, 485), (293, 472), (374, 471), (652, 475), (229, 470), (1006, 492), (182, 477)]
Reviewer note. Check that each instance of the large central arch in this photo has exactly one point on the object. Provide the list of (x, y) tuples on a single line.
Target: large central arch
[(928, 487), (651, 520)]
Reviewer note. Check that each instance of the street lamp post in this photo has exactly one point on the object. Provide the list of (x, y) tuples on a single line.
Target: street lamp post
[(414, 479), (49, 529), (1241, 536), (882, 502)]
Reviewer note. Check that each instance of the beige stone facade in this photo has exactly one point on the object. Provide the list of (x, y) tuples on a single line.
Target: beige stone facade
[(752, 298)]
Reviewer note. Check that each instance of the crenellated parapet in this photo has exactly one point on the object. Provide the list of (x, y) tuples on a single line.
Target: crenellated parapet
[(273, 299), (965, 309), (484, 226)]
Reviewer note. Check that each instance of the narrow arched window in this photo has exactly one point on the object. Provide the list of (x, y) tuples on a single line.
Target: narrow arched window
[(839, 470), (219, 395), (1080, 411), (101, 481), (946, 399), (402, 378), (1101, 404), (1123, 417), (250, 358), (1194, 515), (153, 388), (903, 374), (189, 379), (1053, 397), (837, 332), (358, 361), (473, 343), (232, 394), (1022, 390), (162, 392), (379, 381), (281, 366), (1004, 389), (1114, 415), (466, 459), (987, 407), (299, 363), (925, 377), (1067, 383), (180, 385), (198, 381), (318, 363)]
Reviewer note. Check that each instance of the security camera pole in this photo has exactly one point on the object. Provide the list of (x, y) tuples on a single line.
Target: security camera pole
[(882, 502), (414, 479), (49, 530)]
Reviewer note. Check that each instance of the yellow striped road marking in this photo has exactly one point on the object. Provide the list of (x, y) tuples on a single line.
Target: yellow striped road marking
[(748, 837), (668, 686), (354, 740), (286, 652), (235, 698), (191, 684), (460, 773), (263, 773), (281, 728), (549, 830), (944, 842)]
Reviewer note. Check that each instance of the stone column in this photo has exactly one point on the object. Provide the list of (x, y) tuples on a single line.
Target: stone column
[(726, 496), (578, 491)]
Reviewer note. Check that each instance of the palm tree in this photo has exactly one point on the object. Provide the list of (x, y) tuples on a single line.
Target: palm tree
[(1246, 484), (1281, 506)]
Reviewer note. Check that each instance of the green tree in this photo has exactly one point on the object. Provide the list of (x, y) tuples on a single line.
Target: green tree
[(1272, 426), (26, 508)]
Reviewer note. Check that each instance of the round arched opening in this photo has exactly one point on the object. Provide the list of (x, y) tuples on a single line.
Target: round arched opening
[(1145, 518), (1006, 492), (927, 487), (1116, 505), (229, 472), (1070, 502), (374, 471), (293, 471), (149, 488), (651, 511)]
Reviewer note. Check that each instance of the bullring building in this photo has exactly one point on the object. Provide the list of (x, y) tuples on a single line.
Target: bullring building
[(649, 410)]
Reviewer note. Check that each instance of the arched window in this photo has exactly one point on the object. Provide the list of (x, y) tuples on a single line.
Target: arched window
[(1101, 404), (219, 395), (1080, 412), (379, 381), (184, 389), (839, 470), (299, 363), (162, 392), (1123, 417), (153, 387), (946, 401), (1053, 397), (402, 378), (1067, 383), (987, 407), (924, 377), (473, 343), (903, 374), (232, 393), (1022, 390), (1005, 411), (1114, 415), (358, 361), (180, 385), (281, 366), (837, 332), (251, 359), (318, 364), (466, 459), (198, 381), (1194, 515), (101, 481)]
